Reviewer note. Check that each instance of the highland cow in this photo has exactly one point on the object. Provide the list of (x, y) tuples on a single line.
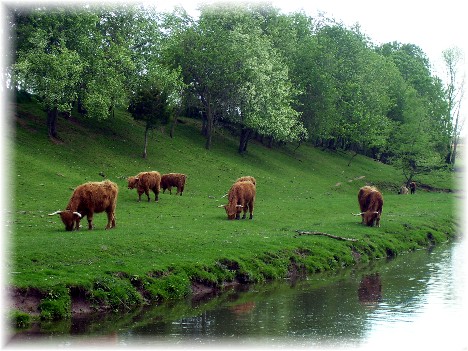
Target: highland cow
[(144, 182), (241, 196), (412, 186), (173, 180), (87, 199), (370, 202)]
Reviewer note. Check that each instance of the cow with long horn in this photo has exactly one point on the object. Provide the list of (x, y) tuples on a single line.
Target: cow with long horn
[(371, 203), (241, 196), (87, 199)]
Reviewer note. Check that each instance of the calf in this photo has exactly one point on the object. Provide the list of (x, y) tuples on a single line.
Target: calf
[(241, 196), (173, 180), (87, 199), (412, 186), (370, 202)]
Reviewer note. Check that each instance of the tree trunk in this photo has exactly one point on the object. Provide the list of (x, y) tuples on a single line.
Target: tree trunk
[(209, 125), (146, 141), (244, 139), (52, 115), (352, 157), (174, 124), (454, 152)]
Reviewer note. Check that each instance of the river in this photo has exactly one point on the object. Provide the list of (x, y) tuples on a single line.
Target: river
[(415, 301)]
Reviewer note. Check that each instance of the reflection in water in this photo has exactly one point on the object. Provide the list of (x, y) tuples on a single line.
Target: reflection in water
[(370, 289), (417, 299)]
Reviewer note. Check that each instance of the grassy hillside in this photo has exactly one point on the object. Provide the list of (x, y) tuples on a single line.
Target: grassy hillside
[(158, 250)]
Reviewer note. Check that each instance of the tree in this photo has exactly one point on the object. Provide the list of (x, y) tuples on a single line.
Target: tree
[(412, 147), (44, 65), (237, 75), (156, 99), (78, 55), (419, 142), (454, 90)]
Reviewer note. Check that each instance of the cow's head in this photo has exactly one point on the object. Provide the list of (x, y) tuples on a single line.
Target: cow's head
[(132, 182), (370, 218), (68, 218), (232, 211)]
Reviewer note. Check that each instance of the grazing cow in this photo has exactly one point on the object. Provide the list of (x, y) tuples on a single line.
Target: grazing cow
[(173, 180), (403, 190), (144, 182), (241, 196), (412, 186), (370, 202), (87, 199)]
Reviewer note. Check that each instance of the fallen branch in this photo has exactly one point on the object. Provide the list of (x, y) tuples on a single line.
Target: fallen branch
[(304, 232)]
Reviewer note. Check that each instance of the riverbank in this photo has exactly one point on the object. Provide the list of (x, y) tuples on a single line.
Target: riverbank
[(183, 245), (350, 307)]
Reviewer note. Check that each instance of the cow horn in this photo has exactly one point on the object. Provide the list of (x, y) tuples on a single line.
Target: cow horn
[(77, 213), (239, 206), (224, 196), (221, 206), (56, 212), (358, 214)]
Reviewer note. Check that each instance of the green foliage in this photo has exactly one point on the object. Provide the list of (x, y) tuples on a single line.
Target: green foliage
[(20, 319), (56, 303), (285, 77), (115, 293)]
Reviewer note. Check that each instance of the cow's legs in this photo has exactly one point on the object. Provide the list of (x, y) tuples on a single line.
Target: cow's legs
[(90, 220), (156, 194), (110, 219), (148, 194)]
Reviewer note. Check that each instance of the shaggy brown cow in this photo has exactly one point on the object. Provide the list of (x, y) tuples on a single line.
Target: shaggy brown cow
[(241, 197), (412, 186), (144, 182), (173, 180), (371, 202), (87, 199)]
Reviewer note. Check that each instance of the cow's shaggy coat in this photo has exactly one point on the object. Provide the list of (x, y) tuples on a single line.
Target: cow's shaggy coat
[(371, 203), (87, 199), (241, 196), (248, 179), (144, 182), (173, 180)]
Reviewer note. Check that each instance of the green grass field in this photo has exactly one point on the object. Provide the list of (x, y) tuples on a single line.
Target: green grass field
[(159, 249)]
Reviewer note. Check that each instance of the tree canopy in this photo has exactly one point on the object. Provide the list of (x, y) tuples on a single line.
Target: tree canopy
[(263, 74)]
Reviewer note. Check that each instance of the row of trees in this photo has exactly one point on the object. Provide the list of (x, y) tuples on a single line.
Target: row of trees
[(264, 74)]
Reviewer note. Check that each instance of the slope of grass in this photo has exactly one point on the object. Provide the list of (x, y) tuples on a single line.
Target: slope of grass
[(159, 249)]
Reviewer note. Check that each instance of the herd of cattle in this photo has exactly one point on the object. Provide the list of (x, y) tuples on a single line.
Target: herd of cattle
[(96, 197)]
